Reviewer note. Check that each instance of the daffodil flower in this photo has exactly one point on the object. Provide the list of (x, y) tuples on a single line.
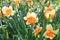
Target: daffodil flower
[(31, 18), (37, 30), (50, 33), (49, 12), (8, 11)]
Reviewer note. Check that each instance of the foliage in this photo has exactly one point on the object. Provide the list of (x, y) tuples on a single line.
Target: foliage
[(15, 28)]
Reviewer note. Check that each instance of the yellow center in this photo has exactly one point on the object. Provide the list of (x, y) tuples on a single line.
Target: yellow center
[(31, 20), (8, 12), (50, 33), (49, 9)]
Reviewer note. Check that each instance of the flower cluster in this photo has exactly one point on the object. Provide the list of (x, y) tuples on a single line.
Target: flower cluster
[(22, 19)]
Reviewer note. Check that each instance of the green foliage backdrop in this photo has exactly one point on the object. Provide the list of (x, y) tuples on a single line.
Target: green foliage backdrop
[(15, 28)]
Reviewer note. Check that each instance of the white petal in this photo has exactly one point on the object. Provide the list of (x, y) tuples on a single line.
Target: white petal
[(28, 14), (44, 34), (13, 13), (56, 31), (4, 8), (47, 15), (47, 36), (39, 26), (53, 11), (10, 7), (51, 38), (49, 26), (33, 14), (25, 18), (27, 23), (45, 9), (8, 15), (50, 20)]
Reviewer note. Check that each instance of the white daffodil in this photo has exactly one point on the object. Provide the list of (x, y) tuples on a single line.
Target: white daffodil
[(31, 18), (8, 11), (49, 12), (50, 33)]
